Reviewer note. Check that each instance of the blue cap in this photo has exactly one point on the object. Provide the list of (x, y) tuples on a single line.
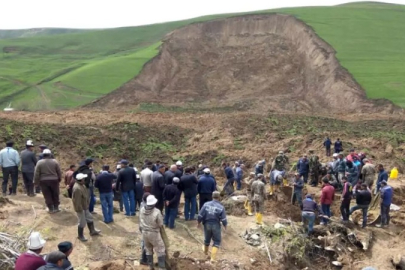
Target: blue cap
[(124, 162)]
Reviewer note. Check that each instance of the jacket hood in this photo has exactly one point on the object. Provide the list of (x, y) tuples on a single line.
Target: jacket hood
[(148, 210)]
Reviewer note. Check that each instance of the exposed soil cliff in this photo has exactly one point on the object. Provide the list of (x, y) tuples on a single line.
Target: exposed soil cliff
[(272, 62)]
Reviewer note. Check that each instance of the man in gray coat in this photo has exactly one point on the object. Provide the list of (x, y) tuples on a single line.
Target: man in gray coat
[(28, 163)]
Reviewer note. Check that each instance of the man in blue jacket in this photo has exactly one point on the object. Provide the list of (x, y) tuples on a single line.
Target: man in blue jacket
[(104, 182), (327, 143), (338, 146), (212, 215), (188, 185), (9, 162), (386, 200), (303, 168), (126, 184), (206, 185), (297, 193)]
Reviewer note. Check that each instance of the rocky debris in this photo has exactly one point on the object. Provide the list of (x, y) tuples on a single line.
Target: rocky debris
[(399, 262), (10, 247), (252, 237)]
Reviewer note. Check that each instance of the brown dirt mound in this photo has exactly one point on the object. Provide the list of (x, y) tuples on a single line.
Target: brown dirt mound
[(262, 61)]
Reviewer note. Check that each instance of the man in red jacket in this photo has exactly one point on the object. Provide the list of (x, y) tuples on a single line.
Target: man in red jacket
[(32, 260), (327, 197)]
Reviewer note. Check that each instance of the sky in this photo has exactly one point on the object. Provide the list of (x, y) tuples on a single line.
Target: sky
[(21, 14)]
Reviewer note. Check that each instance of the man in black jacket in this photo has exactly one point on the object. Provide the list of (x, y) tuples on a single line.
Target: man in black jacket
[(104, 182), (363, 200), (171, 197), (158, 185), (126, 184), (188, 184), (170, 174), (85, 167)]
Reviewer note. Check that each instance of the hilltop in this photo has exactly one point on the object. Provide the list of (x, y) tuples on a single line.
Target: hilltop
[(69, 70)]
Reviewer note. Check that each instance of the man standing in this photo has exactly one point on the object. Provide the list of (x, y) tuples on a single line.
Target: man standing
[(80, 199), (338, 146), (327, 143), (126, 184), (386, 199), (32, 259), (341, 167), (248, 202), (188, 184), (363, 200), (211, 215), (230, 178), (327, 197), (69, 179), (179, 166), (9, 162), (382, 176), (239, 176), (346, 198), (42, 147), (205, 187), (297, 193), (86, 168), (171, 197), (314, 168), (259, 168), (146, 176), (258, 194), (28, 163), (276, 177), (48, 175), (104, 182), (170, 174), (151, 221), (303, 168), (158, 185), (368, 173), (309, 207)]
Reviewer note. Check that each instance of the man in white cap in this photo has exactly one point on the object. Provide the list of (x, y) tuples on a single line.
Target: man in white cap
[(81, 201), (151, 221), (32, 260), (48, 175), (206, 185), (28, 163), (180, 170)]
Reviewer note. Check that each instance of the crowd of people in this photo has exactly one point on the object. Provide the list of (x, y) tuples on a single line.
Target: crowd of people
[(155, 191)]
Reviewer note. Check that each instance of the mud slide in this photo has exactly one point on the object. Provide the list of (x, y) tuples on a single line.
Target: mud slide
[(265, 61)]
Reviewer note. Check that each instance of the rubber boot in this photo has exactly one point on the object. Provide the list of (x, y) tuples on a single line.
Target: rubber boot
[(246, 204), (285, 182), (249, 210), (214, 254), (162, 262), (80, 234), (150, 261), (144, 259), (56, 208), (259, 219), (205, 249), (92, 230), (271, 190)]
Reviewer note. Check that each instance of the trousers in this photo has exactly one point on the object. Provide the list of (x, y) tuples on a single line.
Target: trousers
[(212, 231), (84, 217), (205, 197), (13, 173), (28, 182), (153, 242), (50, 190)]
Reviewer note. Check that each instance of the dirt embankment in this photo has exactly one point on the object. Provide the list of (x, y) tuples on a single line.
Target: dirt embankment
[(271, 62)]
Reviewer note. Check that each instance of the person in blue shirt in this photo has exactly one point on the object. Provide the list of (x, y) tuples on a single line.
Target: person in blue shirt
[(386, 199), (239, 176), (211, 215), (338, 146), (327, 143), (382, 176), (9, 162), (303, 168), (205, 187)]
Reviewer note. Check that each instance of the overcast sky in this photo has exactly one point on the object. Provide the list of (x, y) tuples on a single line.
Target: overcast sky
[(18, 14)]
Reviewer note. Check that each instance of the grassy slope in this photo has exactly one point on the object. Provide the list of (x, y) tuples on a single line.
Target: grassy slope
[(366, 36)]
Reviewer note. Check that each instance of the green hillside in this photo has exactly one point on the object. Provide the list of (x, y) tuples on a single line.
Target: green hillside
[(68, 70)]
